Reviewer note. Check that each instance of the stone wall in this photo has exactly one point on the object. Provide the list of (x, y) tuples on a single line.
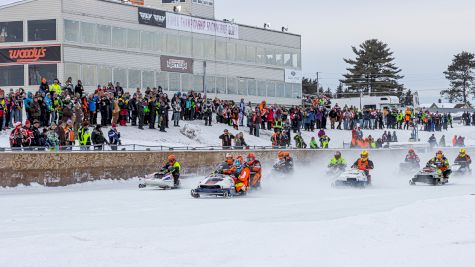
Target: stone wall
[(64, 168)]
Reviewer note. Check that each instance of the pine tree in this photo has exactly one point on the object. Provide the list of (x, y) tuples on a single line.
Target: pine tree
[(373, 70), (339, 91), (461, 77), (328, 93), (309, 86)]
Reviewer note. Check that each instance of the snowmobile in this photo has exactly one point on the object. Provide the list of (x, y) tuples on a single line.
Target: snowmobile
[(335, 170), (161, 179), (282, 167), (461, 168), (409, 167), (215, 184), (429, 175), (352, 178)]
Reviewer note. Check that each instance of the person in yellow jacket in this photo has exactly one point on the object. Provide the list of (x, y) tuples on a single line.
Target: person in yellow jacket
[(55, 88), (173, 167)]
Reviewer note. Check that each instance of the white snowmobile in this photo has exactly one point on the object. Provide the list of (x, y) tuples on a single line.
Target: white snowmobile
[(429, 175), (215, 184), (352, 178), (461, 168), (161, 179)]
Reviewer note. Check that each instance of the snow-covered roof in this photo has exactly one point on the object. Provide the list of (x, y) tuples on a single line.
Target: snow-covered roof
[(445, 105)]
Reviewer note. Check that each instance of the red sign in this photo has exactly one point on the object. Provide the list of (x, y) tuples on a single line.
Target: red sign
[(33, 54)]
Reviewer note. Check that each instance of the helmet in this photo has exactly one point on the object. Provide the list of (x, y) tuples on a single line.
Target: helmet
[(439, 154), (280, 154), (463, 151), (411, 151), (338, 154), (251, 157), (364, 154), (171, 158), (228, 156), (238, 161)]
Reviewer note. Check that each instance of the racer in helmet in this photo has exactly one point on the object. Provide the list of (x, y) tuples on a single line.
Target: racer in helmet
[(285, 161), (256, 170), (441, 163), (226, 164), (173, 167), (364, 164), (240, 174), (412, 157), (463, 157), (337, 161)]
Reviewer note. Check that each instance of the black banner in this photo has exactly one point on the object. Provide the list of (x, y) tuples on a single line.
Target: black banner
[(172, 1), (176, 64), (30, 54), (152, 17)]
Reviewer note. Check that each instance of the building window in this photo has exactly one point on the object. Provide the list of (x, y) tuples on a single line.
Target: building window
[(148, 79), (186, 82), (251, 53), (210, 85), (41, 30), (135, 79), (297, 91), (162, 80), (231, 51), (280, 89), (288, 90), (147, 39), (104, 75), (270, 89), (174, 81), (11, 75), (270, 57), (288, 60), (220, 50), (279, 58), (185, 46), (232, 87), (119, 37), (251, 87), (242, 87), (198, 48), (240, 52), (120, 75), (104, 35), (261, 55), (209, 49), (261, 88), (133, 39), (71, 30), (198, 83), (295, 60), (89, 75), (173, 44), (161, 42), (221, 85), (36, 72), (88, 32), (72, 70), (11, 32)]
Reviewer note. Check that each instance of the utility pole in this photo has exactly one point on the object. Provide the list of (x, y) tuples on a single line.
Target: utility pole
[(204, 77), (318, 86)]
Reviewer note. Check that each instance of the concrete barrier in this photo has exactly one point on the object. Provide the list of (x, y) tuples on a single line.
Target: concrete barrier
[(65, 168)]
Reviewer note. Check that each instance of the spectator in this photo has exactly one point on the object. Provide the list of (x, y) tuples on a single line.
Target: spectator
[(226, 139), (114, 137), (84, 136), (98, 139)]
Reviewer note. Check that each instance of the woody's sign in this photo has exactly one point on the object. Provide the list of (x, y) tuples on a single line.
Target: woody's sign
[(30, 54)]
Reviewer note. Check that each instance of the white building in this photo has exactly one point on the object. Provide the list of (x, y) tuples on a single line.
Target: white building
[(98, 41)]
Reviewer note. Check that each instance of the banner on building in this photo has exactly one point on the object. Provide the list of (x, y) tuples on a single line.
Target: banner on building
[(30, 54), (172, 1), (293, 76), (204, 2), (203, 26), (152, 17), (176, 64)]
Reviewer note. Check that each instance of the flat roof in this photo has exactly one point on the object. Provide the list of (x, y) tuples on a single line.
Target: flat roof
[(239, 24)]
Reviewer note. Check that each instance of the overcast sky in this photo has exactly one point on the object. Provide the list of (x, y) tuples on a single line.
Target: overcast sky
[(423, 34)]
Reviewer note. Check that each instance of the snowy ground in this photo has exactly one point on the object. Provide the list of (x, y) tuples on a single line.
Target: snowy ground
[(208, 136), (299, 221)]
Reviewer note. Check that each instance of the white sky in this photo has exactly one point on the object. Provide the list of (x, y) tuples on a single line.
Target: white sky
[(423, 34)]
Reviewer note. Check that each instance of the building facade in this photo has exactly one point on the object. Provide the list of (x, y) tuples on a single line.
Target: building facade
[(98, 41)]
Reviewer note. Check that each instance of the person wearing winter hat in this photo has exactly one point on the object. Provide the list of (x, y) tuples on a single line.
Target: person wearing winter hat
[(16, 136), (70, 135), (27, 135), (114, 137), (98, 138), (84, 136)]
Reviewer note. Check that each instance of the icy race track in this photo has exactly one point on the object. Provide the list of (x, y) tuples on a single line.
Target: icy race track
[(299, 221)]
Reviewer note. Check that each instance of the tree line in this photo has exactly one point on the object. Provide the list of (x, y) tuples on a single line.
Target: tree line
[(373, 72)]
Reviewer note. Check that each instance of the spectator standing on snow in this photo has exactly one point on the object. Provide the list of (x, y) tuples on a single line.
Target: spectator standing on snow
[(226, 139), (98, 138), (84, 136), (114, 137)]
